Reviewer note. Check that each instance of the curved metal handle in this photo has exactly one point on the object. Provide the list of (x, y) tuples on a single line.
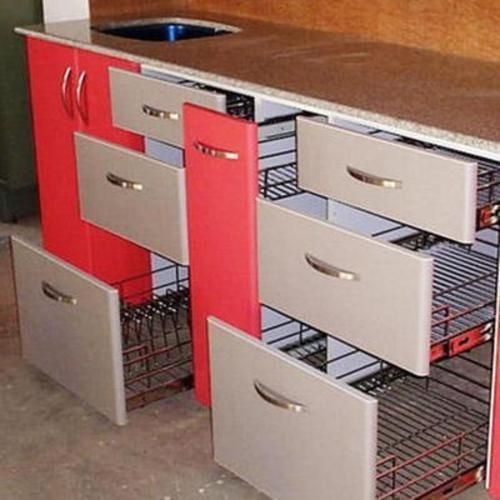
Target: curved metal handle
[(123, 183), (79, 95), (159, 113), (373, 180), (64, 91), (54, 294), (275, 399), (329, 270), (215, 153)]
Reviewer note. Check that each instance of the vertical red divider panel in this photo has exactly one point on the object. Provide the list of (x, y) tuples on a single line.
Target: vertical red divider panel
[(222, 221)]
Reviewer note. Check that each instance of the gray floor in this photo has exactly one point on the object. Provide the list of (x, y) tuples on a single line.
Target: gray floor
[(54, 447)]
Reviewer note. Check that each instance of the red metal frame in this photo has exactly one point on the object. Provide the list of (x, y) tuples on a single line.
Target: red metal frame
[(221, 201)]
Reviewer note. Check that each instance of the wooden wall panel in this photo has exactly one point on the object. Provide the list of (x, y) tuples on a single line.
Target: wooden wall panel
[(124, 8), (453, 26)]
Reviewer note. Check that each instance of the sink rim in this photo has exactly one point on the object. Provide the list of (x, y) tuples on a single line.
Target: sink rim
[(202, 23)]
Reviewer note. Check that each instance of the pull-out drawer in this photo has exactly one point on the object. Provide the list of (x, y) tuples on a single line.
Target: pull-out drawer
[(407, 307), (75, 329), (424, 189), (272, 420), (134, 196), (153, 107), (294, 432)]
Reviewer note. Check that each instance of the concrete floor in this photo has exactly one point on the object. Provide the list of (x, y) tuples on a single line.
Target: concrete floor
[(54, 447)]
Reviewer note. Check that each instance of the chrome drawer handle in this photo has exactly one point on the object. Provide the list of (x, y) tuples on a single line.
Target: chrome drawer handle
[(53, 294), (374, 180), (275, 399), (64, 91), (215, 153), (329, 270), (123, 183), (159, 113), (80, 87)]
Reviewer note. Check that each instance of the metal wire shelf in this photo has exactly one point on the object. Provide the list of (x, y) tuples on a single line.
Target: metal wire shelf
[(278, 176), (464, 298), (464, 288), (156, 338), (278, 183), (432, 432)]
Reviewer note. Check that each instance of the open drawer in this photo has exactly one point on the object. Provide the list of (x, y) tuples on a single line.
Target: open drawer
[(134, 196), (115, 354), (153, 106), (410, 300), (363, 431), (437, 191)]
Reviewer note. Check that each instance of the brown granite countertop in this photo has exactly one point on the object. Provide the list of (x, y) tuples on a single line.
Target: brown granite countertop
[(446, 98)]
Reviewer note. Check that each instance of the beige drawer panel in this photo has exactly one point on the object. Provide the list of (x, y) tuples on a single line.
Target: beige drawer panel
[(70, 328), (405, 183), (134, 196), (374, 295), (260, 434), (153, 107)]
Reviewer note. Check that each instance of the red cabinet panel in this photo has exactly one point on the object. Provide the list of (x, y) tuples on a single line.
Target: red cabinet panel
[(221, 199), (113, 258), (64, 233), (494, 472)]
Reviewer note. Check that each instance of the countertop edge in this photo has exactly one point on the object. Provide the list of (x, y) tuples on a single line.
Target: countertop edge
[(465, 143)]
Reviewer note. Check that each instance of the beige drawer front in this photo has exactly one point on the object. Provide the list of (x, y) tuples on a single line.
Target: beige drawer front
[(405, 183), (153, 107), (374, 295), (134, 196), (327, 450), (70, 328)]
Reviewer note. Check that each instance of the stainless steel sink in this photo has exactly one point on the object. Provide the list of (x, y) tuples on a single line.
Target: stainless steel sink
[(165, 30)]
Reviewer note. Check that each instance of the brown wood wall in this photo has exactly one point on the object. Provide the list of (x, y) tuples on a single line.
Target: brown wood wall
[(465, 27)]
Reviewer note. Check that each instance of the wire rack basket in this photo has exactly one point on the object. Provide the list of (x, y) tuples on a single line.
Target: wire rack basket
[(156, 338)]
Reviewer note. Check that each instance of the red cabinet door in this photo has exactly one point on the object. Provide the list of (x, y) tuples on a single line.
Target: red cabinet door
[(221, 201), (113, 258), (52, 83)]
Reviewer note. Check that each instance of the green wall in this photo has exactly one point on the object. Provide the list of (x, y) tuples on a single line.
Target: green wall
[(16, 151)]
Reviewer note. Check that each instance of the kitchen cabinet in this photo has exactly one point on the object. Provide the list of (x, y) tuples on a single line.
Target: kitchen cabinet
[(348, 308), (70, 92), (335, 297)]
